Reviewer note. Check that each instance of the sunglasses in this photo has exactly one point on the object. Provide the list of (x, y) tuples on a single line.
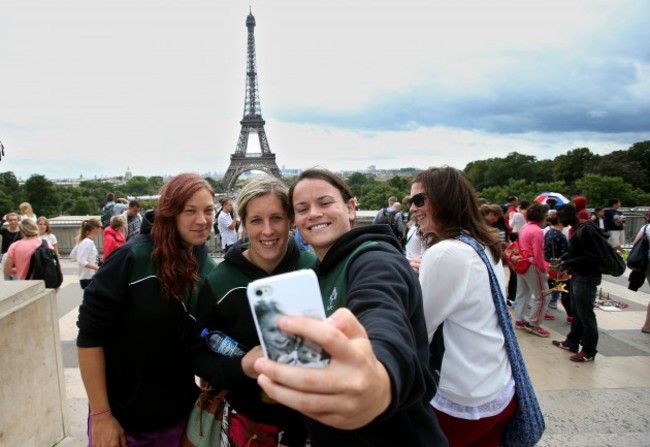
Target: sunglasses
[(418, 199)]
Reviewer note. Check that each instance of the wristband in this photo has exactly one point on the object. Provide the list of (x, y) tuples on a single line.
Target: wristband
[(97, 413)]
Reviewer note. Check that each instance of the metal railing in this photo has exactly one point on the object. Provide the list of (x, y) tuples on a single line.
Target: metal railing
[(66, 228)]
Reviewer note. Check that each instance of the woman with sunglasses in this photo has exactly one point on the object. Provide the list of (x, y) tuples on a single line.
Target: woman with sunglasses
[(376, 389), (475, 395)]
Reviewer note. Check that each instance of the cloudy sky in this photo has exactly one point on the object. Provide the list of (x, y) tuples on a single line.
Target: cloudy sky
[(90, 88)]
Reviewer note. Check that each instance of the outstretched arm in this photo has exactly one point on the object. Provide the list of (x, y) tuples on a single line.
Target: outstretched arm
[(349, 393)]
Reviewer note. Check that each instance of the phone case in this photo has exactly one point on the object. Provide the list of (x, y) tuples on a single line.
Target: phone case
[(293, 293)]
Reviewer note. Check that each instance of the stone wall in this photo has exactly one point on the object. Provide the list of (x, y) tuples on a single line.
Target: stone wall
[(33, 406)]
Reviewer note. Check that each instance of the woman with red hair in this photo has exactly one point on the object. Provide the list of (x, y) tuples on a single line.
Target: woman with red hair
[(135, 323)]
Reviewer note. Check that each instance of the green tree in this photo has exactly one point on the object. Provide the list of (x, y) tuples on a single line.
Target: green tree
[(374, 196), (43, 195), (156, 182), (599, 188), (216, 185), (358, 179), (475, 173), (9, 183), (498, 171), (622, 164), (137, 186), (500, 193), (572, 165), (9, 193), (401, 183), (84, 206), (6, 202)]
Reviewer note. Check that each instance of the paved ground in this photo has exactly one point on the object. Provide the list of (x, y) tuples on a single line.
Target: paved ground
[(599, 404)]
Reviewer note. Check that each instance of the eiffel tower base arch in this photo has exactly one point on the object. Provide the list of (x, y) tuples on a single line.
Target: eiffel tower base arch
[(250, 162)]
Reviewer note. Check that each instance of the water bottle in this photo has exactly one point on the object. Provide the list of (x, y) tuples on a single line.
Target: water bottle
[(222, 344)]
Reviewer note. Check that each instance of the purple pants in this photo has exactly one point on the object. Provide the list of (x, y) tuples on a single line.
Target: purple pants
[(168, 437)]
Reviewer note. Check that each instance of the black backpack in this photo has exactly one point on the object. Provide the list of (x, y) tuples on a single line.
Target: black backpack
[(609, 261), (107, 213), (388, 218), (45, 265), (612, 264), (216, 222)]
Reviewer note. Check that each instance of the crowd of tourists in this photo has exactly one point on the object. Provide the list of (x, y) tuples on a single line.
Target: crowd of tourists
[(411, 301)]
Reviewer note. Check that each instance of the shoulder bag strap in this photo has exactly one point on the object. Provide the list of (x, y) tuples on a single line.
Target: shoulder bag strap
[(512, 345), (519, 371)]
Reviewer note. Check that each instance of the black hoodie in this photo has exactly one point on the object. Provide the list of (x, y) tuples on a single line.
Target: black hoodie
[(146, 339), (223, 306), (383, 292)]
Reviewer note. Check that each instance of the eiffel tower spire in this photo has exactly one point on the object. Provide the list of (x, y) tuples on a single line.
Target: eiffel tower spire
[(252, 122)]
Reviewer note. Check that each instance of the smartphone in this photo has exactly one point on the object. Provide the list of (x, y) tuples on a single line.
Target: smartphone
[(293, 293)]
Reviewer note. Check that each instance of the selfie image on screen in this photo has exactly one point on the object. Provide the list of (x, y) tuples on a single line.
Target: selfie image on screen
[(281, 346)]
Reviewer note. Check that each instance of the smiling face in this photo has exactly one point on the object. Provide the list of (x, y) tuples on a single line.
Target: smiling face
[(267, 226), (277, 341), (195, 220), (423, 215), (321, 214)]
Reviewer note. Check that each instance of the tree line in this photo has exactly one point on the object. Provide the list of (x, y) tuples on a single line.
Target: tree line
[(624, 174)]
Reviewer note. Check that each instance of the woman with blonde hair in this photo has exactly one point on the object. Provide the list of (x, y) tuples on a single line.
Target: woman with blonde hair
[(20, 252), (136, 322), (26, 211), (45, 233), (264, 209), (85, 252)]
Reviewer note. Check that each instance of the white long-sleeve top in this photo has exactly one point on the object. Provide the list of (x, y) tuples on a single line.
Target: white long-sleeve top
[(85, 253), (517, 221), (414, 245), (476, 379)]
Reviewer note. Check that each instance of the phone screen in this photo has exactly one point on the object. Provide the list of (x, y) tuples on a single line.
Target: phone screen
[(294, 293)]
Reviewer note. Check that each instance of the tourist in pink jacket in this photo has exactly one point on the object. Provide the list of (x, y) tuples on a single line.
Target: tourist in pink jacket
[(531, 303)]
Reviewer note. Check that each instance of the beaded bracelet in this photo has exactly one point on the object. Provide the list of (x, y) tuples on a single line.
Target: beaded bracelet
[(97, 413)]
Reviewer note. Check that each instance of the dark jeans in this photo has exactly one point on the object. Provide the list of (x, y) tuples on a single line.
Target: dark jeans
[(584, 328), (567, 301), (512, 285)]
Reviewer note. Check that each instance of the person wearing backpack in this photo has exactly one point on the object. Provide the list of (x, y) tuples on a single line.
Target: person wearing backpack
[(392, 217), (20, 252), (582, 261), (107, 211)]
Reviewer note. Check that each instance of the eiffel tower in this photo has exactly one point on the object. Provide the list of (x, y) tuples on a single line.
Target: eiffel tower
[(241, 161)]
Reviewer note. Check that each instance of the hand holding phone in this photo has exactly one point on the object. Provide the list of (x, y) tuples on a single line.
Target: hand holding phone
[(294, 293)]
